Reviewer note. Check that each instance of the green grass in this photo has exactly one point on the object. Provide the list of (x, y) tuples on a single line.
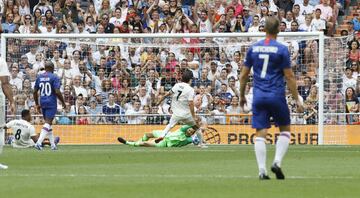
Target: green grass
[(219, 171)]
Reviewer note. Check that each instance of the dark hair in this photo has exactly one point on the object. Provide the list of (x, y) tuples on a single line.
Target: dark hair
[(49, 66), (187, 75), (25, 113)]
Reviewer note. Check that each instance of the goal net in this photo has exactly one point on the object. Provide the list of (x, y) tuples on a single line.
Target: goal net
[(104, 76)]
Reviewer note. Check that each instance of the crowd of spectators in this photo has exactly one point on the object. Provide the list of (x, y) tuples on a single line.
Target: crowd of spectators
[(104, 78)]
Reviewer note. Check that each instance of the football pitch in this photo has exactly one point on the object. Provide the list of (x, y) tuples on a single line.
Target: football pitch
[(218, 171)]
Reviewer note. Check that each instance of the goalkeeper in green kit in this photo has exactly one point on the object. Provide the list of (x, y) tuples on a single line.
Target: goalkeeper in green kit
[(181, 137)]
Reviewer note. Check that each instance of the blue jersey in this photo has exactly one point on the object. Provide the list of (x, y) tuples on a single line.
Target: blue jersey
[(47, 83), (268, 58)]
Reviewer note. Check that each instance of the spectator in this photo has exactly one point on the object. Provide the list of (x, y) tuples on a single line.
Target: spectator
[(204, 99), (355, 69), (310, 114), (65, 117), (105, 8), (306, 27), (327, 15), (356, 22), (313, 95), (26, 26), (306, 9), (239, 25), (234, 108), (17, 16), (219, 113), (132, 114), (24, 7), (68, 95), (83, 119), (9, 26), (255, 25), (284, 4), (248, 19), (348, 80), (94, 109), (304, 90), (112, 108), (15, 79), (144, 96), (224, 94), (352, 105), (43, 5), (117, 20), (299, 18), (354, 53)]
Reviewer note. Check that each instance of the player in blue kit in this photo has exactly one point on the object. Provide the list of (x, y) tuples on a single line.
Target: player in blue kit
[(48, 84), (270, 61)]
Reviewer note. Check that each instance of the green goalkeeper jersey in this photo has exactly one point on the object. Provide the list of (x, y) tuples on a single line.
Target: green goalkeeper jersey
[(178, 138)]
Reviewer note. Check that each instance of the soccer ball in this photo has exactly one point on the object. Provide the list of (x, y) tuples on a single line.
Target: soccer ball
[(195, 140)]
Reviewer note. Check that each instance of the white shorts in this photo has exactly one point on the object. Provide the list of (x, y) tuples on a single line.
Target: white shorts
[(181, 120), (27, 144)]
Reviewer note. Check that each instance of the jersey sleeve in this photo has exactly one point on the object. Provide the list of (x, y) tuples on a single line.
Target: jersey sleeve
[(32, 131), (10, 124), (285, 63), (173, 89), (191, 95), (248, 62), (56, 82)]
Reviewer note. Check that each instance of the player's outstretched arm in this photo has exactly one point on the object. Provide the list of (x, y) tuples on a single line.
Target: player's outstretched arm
[(161, 98), (291, 83), (244, 77)]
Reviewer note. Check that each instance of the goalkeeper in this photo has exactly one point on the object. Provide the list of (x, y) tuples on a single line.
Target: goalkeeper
[(181, 137)]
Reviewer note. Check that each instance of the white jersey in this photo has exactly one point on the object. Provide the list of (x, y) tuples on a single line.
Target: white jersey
[(22, 131), (182, 94)]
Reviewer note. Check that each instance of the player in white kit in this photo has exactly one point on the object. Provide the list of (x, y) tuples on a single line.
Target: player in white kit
[(23, 131), (6, 89), (182, 105)]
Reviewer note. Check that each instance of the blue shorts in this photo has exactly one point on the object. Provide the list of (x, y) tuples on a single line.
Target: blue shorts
[(49, 112), (264, 108)]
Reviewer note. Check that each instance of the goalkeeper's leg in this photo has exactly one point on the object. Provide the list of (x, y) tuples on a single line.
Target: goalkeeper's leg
[(142, 144)]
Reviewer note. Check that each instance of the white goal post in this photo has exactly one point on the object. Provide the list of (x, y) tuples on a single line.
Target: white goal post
[(319, 36)]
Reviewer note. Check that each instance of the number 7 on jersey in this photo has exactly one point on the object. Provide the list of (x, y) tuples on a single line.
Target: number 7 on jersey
[(265, 64)]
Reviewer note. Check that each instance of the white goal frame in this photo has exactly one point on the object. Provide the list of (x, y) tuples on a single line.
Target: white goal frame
[(320, 36)]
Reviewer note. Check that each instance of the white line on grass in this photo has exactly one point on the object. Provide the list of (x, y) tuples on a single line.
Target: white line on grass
[(173, 176)]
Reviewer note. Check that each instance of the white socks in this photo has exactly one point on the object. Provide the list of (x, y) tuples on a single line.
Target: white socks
[(260, 152), (51, 138), (166, 130), (44, 132), (282, 146)]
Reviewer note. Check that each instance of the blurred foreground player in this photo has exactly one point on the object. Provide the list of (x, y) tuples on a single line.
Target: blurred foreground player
[(270, 61), (6, 89)]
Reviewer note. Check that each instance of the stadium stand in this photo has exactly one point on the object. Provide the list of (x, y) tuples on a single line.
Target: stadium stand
[(90, 76)]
